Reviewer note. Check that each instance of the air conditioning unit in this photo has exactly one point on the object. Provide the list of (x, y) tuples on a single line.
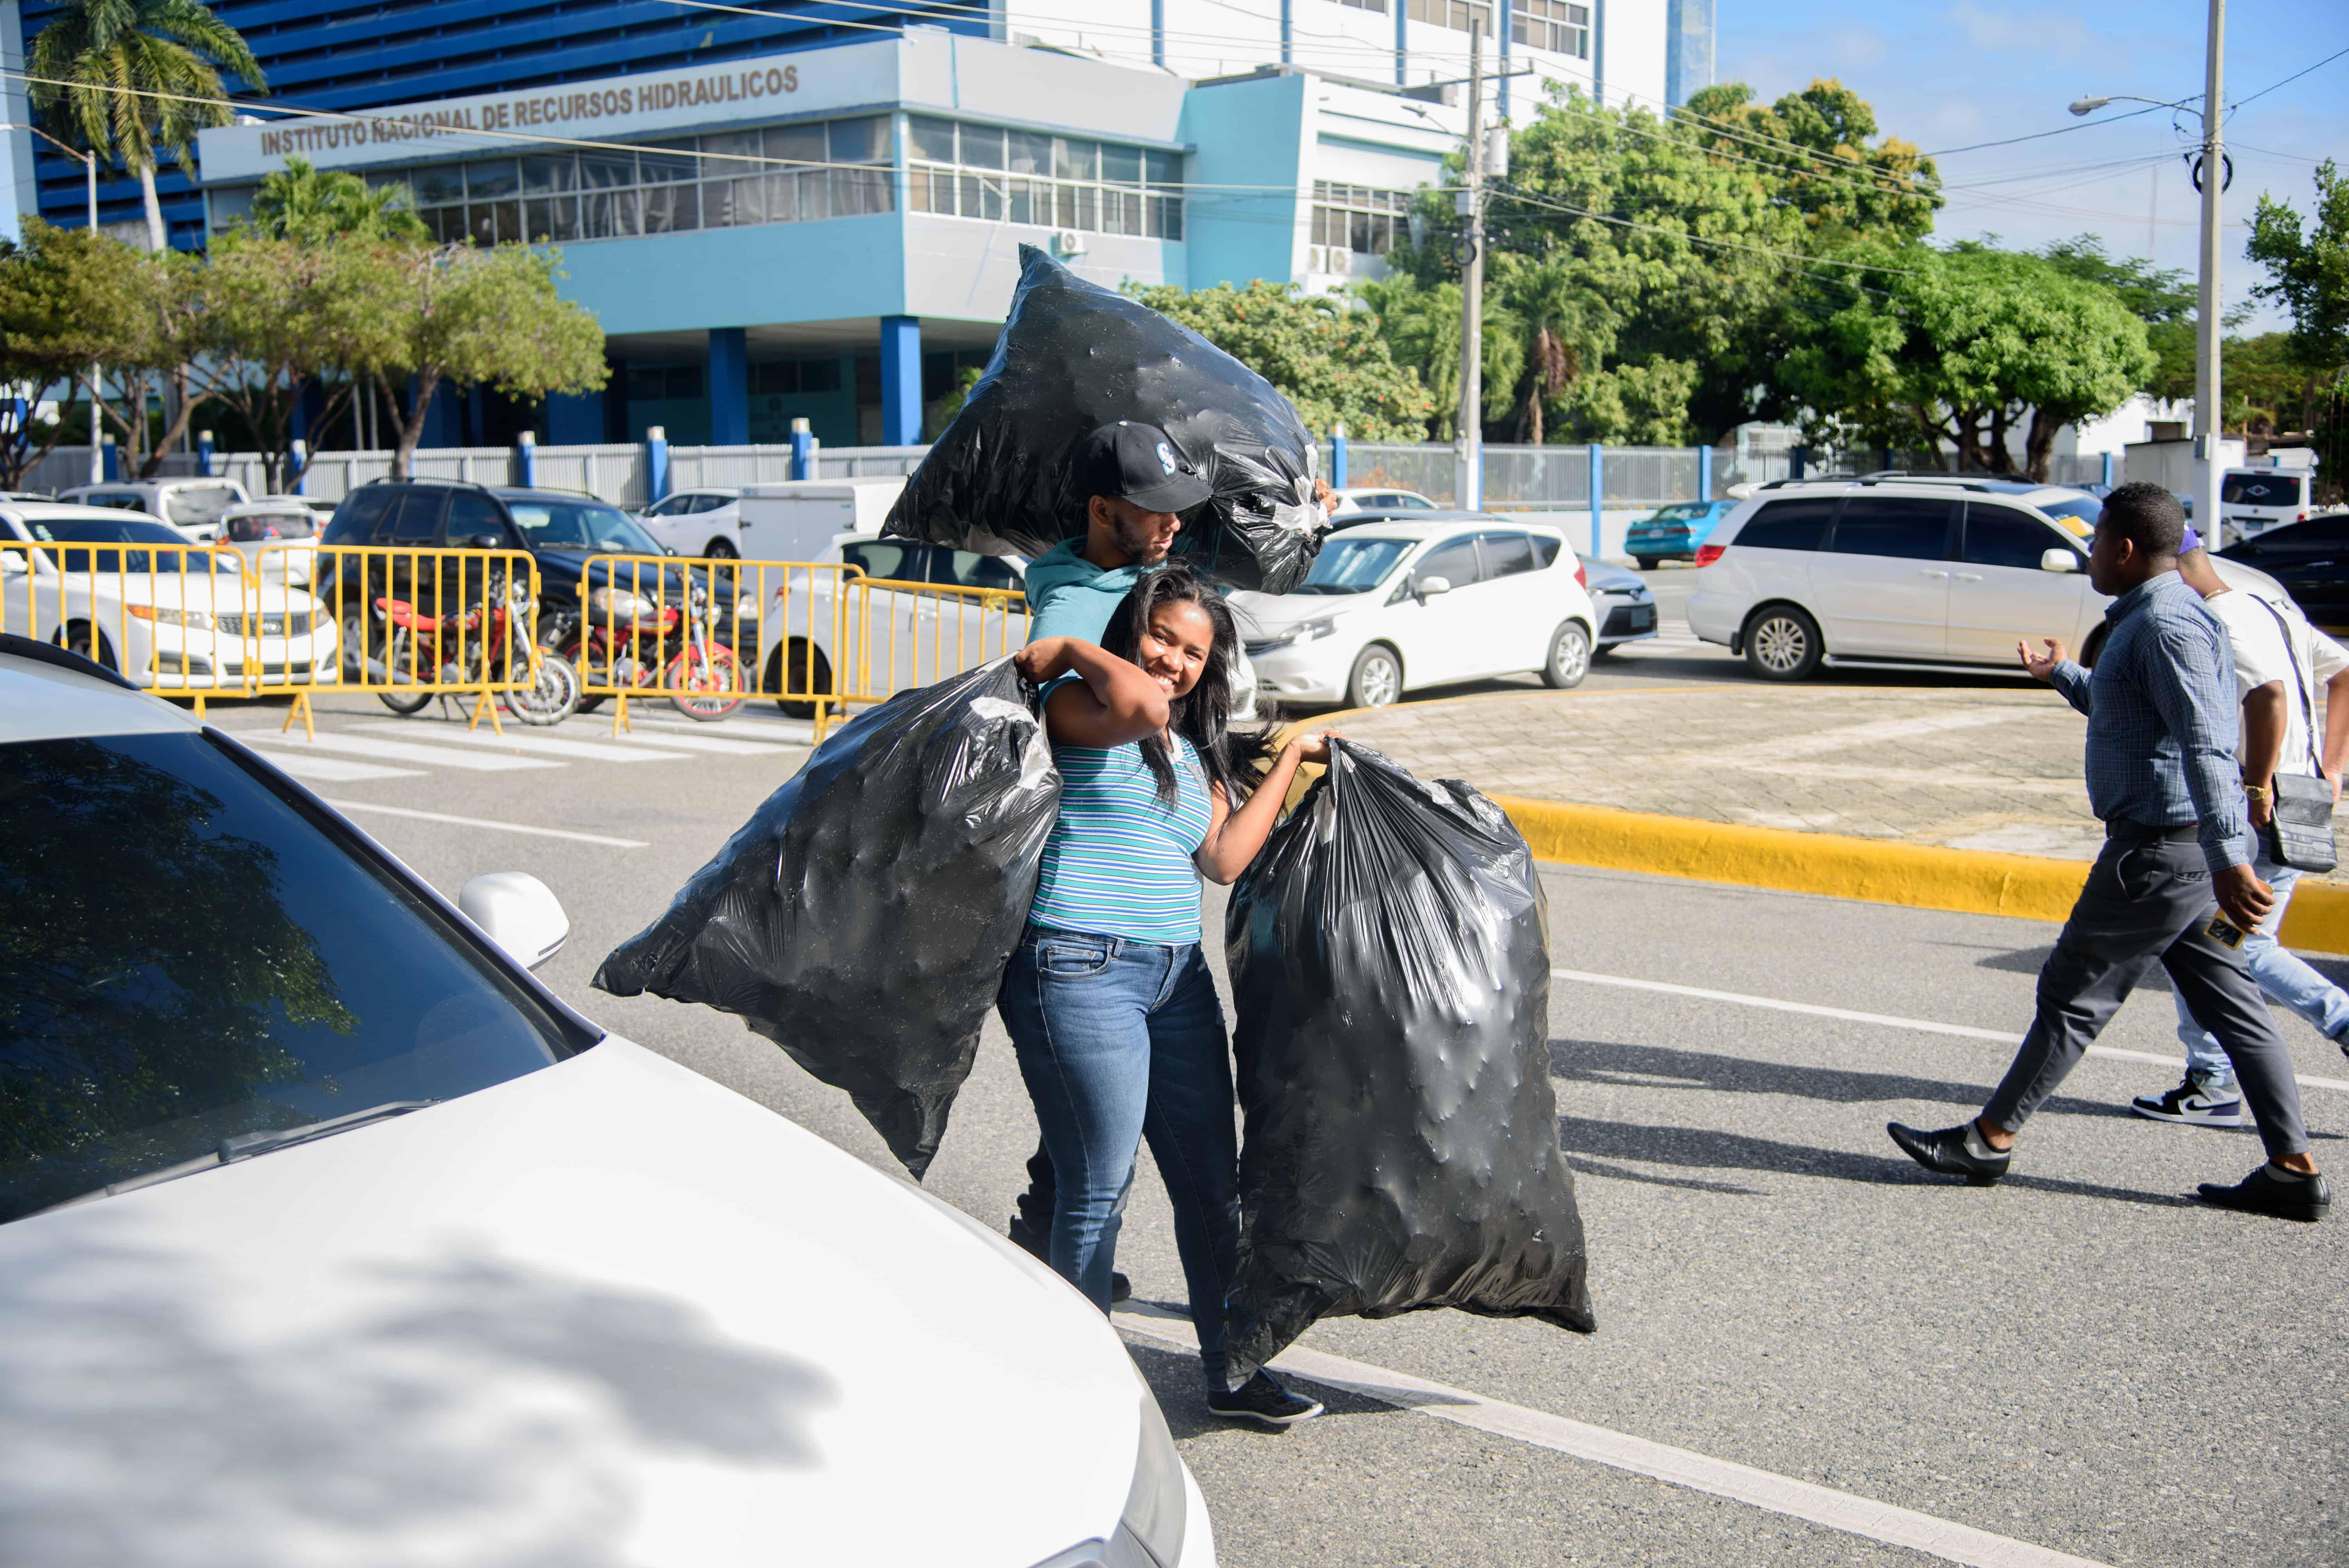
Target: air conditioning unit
[(1067, 242), (1317, 258), (1341, 260)]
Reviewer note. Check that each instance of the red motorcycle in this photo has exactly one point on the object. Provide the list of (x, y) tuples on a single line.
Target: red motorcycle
[(626, 636), (481, 643)]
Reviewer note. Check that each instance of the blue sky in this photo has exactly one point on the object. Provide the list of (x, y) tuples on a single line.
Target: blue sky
[(1946, 75)]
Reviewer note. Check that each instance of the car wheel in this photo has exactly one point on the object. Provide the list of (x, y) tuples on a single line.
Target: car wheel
[(2092, 648), (86, 640), (1569, 656), (1646, 562), (801, 667), (1782, 643), (1377, 679), (720, 550)]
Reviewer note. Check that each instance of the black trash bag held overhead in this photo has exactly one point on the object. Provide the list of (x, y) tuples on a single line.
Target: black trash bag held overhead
[(1390, 963), (1074, 356), (863, 917)]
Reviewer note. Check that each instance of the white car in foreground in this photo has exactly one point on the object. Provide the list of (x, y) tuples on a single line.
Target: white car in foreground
[(895, 639), (329, 1235), (1391, 608), (129, 593)]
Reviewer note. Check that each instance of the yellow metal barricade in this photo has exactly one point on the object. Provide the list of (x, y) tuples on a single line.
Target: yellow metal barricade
[(178, 619), (708, 634), (908, 635)]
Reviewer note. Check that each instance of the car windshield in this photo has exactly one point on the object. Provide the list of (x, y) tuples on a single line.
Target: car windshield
[(581, 525), (187, 957), (200, 504), (1687, 513), (177, 555), (1352, 566), (2080, 510)]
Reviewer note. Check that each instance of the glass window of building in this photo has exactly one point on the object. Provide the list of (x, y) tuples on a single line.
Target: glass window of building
[(722, 180), (1362, 219), (1558, 26), (1378, 6), (1454, 14), (1050, 181)]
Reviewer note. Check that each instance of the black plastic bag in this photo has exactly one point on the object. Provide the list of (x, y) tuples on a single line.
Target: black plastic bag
[(863, 917), (1074, 356), (1390, 963)]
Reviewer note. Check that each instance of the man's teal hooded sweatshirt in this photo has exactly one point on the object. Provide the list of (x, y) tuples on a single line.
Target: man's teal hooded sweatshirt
[(1069, 596)]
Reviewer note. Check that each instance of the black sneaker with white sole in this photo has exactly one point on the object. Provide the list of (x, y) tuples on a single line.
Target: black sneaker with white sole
[(2197, 1102), (1039, 1246), (1264, 1401)]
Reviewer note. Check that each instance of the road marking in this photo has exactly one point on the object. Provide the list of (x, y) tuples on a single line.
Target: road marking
[(405, 751), (703, 743), (328, 769), (485, 823), (593, 750), (1889, 1020), (779, 729), (1761, 1489)]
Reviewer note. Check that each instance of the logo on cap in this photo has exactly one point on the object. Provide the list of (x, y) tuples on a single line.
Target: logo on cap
[(1165, 458)]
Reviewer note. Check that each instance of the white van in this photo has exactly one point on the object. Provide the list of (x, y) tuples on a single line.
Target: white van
[(194, 506), (2252, 500), (797, 519)]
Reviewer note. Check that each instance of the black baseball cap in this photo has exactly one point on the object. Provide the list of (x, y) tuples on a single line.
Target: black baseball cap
[(1138, 463)]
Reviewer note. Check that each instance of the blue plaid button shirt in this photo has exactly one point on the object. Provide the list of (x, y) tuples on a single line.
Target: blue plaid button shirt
[(2163, 722)]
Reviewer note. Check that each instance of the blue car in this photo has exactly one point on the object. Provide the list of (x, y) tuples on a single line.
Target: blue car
[(1674, 532)]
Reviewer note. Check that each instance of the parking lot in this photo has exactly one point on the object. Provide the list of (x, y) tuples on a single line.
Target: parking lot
[(2080, 1365)]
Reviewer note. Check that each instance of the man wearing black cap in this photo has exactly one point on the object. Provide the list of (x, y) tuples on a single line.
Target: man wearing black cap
[(1135, 486)]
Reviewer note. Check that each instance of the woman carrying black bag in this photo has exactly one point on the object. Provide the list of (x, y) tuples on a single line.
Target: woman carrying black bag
[(1108, 999)]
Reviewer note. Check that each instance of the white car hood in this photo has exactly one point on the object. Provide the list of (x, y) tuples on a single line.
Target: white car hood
[(1263, 615), (605, 1313)]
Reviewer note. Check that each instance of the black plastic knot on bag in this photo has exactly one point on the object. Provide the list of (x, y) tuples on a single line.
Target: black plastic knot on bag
[(1389, 964), (1074, 356), (862, 919)]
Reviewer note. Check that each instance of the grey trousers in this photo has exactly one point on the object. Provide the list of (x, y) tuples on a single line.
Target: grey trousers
[(2150, 898)]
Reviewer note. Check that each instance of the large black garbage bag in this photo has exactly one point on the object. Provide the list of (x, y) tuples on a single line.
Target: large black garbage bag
[(1074, 356), (863, 917), (1389, 964)]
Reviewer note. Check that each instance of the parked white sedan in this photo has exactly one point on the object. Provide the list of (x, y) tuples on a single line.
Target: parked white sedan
[(1391, 608), (329, 1235), (131, 592), (698, 523)]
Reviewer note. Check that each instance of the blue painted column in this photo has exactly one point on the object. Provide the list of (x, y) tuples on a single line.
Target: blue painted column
[(1501, 86), (298, 426), (301, 467), (901, 380), (112, 472), (1338, 455), (1598, 499), (204, 449), (1704, 473), (1402, 43), (1288, 29), (1158, 33), (1598, 51), (1797, 460), (526, 460), (575, 420), (656, 464), (2108, 470), (803, 450), (730, 387)]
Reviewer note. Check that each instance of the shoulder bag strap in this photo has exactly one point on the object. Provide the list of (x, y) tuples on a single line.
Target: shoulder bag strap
[(2291, 656)]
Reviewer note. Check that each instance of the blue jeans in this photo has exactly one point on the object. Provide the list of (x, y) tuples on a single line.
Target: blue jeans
[(1121, 1041), (2279, 975)]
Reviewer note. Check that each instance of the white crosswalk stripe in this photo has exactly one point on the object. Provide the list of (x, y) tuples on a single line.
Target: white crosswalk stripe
[(351, 749), (407, 751), (710, 743), (295, 759), (516, 738), (779, 730)]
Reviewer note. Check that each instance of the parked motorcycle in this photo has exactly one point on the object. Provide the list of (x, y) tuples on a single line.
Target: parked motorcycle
[(482, 643), (625, 637)]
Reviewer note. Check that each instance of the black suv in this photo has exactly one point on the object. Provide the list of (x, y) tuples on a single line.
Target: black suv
[(560, 530)]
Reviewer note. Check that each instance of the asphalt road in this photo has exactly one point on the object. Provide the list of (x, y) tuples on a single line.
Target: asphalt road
[(2081, 1359)]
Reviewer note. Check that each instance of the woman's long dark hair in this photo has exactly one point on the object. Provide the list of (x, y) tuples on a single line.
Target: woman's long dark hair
[(1202, 716)]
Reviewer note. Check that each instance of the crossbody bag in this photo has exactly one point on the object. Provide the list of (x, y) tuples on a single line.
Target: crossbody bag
[(2299, 833)]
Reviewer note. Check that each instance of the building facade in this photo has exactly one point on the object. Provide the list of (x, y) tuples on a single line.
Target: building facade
[(817, 213)]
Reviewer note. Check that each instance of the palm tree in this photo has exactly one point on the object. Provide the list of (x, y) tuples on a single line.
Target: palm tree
[(128, 77), (1420, 322), (317, 205), (1553, 307)]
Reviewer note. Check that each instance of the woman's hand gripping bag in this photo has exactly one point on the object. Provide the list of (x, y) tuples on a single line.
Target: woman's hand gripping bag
[(1390, 963), (863, 917)]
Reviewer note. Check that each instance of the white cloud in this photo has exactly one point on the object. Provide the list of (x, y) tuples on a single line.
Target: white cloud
[(2048, 35)]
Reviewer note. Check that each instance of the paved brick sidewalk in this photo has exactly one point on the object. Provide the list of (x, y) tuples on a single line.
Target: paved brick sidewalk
[(1970, 769)]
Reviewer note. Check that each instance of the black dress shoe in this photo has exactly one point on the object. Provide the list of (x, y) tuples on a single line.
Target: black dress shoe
[(1038, 1245), (1945, 1151), (2261, 1192)]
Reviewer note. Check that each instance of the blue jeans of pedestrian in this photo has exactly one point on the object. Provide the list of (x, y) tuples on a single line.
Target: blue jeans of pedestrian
[(2281, 975), (1121, 1041)]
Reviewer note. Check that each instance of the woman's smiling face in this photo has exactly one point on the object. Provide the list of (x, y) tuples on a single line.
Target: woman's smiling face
[(1172, 648)]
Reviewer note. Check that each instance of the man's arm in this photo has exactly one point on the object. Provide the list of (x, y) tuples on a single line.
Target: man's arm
[(2263, 725), (2336, 729), (2191, 680), (2057, 671)]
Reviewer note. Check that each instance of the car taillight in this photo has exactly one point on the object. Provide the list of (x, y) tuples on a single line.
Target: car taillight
[(1706, 554), (1581, 577)]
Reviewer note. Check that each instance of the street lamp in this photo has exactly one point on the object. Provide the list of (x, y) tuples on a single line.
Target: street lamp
[(89, 167), (2211, 178)]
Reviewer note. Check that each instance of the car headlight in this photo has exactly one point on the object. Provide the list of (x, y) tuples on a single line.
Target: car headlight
[(1311, 632), (196, 619), (614, 604)]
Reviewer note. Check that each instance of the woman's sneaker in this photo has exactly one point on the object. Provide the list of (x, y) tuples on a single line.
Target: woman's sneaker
[(2197, 1102), (1264, 1401)]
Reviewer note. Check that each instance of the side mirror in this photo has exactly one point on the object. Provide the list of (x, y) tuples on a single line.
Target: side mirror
[(485, 541), (1429, 587), (517, 912), (2059, 560)]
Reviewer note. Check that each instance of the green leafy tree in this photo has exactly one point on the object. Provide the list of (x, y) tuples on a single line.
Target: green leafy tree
[(68, 302), (133, 78), (1418, 324), (1327, 360), (2162, 297), (2308, 278), (1965, 346), (317, 205), (459, 316), (1814, 147)]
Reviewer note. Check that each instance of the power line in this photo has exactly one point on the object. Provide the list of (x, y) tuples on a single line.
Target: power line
[(2293, 77), (2040, 135), (1515, 194)]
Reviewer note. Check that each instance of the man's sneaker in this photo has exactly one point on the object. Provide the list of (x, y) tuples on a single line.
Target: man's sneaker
[(1264, 1401), (1953, 1151), (2267, 1191), (1038, 1245), (2195, 1104)]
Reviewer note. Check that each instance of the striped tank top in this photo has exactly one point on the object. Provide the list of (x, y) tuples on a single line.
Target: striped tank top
[(1119, 860)]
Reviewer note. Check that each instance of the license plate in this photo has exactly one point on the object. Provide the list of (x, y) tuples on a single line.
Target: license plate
[(1643, 617)]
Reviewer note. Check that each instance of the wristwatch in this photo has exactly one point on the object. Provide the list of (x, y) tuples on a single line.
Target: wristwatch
[(2257, 791)]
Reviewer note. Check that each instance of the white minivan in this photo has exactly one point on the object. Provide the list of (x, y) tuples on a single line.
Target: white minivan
[(2252, 500)]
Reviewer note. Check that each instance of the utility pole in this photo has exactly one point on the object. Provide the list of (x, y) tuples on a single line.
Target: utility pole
[(1468, 442), (2208, 424)]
